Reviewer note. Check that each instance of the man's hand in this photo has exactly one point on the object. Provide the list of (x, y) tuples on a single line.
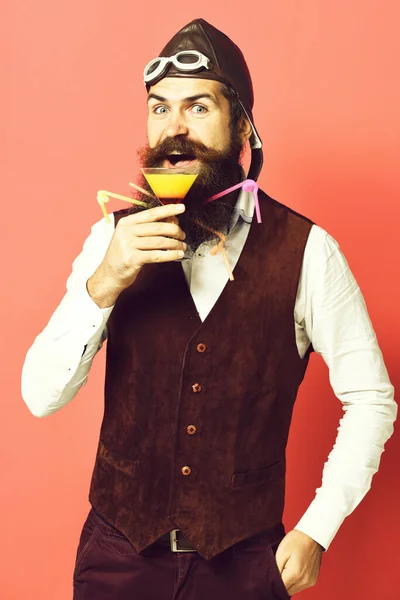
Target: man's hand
[(149, 236), (299, 560)]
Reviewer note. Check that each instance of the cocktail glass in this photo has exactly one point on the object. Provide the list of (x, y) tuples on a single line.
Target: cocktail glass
[(170, 185)]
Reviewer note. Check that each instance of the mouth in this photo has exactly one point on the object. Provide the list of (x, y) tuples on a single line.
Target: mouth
[(175, 161)]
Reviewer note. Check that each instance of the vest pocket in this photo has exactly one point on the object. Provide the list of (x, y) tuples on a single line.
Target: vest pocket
[(116, 460), (274, 471)]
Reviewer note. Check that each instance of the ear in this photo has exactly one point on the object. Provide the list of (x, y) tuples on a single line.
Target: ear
[(244, 130)]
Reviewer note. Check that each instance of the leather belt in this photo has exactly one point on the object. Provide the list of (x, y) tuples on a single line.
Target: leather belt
[(176, 541)]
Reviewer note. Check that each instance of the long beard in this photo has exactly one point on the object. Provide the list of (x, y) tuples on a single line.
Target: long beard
[(218, 171)]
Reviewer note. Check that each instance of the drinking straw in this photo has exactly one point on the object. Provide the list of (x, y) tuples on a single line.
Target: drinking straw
[(219, 247), (228, 267), (124, 198), (103, 197), (140, 189), (248, 186)]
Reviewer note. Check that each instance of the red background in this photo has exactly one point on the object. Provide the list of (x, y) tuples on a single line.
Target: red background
[(73, 109)]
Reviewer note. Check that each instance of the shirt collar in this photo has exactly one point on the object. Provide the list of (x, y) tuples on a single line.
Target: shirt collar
[(244, 209)]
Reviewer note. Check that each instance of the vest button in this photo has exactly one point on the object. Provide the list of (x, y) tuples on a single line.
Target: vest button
[(201, 347), (186, 470), (191, 429), (196, 387)]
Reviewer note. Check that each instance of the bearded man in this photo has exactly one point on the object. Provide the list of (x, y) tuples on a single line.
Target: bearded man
[(202, 373)]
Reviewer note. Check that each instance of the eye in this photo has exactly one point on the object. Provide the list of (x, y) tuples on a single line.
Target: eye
[(199, 109), (160, 110)]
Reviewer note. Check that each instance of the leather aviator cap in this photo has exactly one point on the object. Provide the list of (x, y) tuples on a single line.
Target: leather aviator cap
[(227, 64)]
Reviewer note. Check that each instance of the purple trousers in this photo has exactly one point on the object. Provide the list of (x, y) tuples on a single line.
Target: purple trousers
[(108, 568)]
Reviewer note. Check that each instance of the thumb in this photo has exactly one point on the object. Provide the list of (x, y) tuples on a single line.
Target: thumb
[(281, 557)]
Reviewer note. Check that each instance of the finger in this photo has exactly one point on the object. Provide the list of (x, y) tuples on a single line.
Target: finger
[(159, 243), (154, 214), (160, 256), (173, 220), (158, 229)]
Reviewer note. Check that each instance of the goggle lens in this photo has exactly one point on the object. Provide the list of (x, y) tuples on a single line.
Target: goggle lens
[(188, 58), (153, 66)]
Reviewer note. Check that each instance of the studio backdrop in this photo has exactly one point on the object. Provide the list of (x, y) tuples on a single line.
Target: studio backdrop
[(327, 99)]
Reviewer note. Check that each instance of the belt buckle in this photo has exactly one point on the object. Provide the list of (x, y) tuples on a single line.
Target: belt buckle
[(174, 542)]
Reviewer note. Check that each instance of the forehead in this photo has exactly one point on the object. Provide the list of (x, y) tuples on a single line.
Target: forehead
[(179, 88)]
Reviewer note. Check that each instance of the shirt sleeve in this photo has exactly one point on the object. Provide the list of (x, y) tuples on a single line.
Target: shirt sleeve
[(333, 313), (58, 363)]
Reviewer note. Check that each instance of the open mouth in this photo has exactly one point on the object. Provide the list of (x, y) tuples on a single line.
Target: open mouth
[(179, 160)]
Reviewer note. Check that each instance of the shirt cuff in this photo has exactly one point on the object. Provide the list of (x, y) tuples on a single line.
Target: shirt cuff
[(321, 521)]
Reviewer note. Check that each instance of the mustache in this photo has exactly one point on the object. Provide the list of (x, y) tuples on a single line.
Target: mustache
[(181, 145)]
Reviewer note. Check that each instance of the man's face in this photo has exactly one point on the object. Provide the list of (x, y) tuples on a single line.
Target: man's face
[(189, 124), (193, 108)]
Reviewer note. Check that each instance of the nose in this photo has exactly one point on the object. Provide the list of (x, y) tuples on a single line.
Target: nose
[(176, 125)]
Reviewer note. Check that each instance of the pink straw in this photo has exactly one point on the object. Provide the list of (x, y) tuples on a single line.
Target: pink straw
[(248, 186)]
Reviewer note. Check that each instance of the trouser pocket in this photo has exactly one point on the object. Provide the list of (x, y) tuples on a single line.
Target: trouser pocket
[(278, 586), (87, 538)]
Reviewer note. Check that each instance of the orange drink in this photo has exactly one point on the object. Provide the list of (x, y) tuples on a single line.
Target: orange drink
[(170, 185)]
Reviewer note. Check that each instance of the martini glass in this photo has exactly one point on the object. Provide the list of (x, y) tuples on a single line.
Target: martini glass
[(170, 185)]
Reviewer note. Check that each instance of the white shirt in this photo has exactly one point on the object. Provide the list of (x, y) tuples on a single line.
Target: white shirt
[(330, 313)]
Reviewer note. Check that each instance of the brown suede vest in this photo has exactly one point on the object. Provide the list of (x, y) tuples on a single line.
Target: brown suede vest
[(233, 377)]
